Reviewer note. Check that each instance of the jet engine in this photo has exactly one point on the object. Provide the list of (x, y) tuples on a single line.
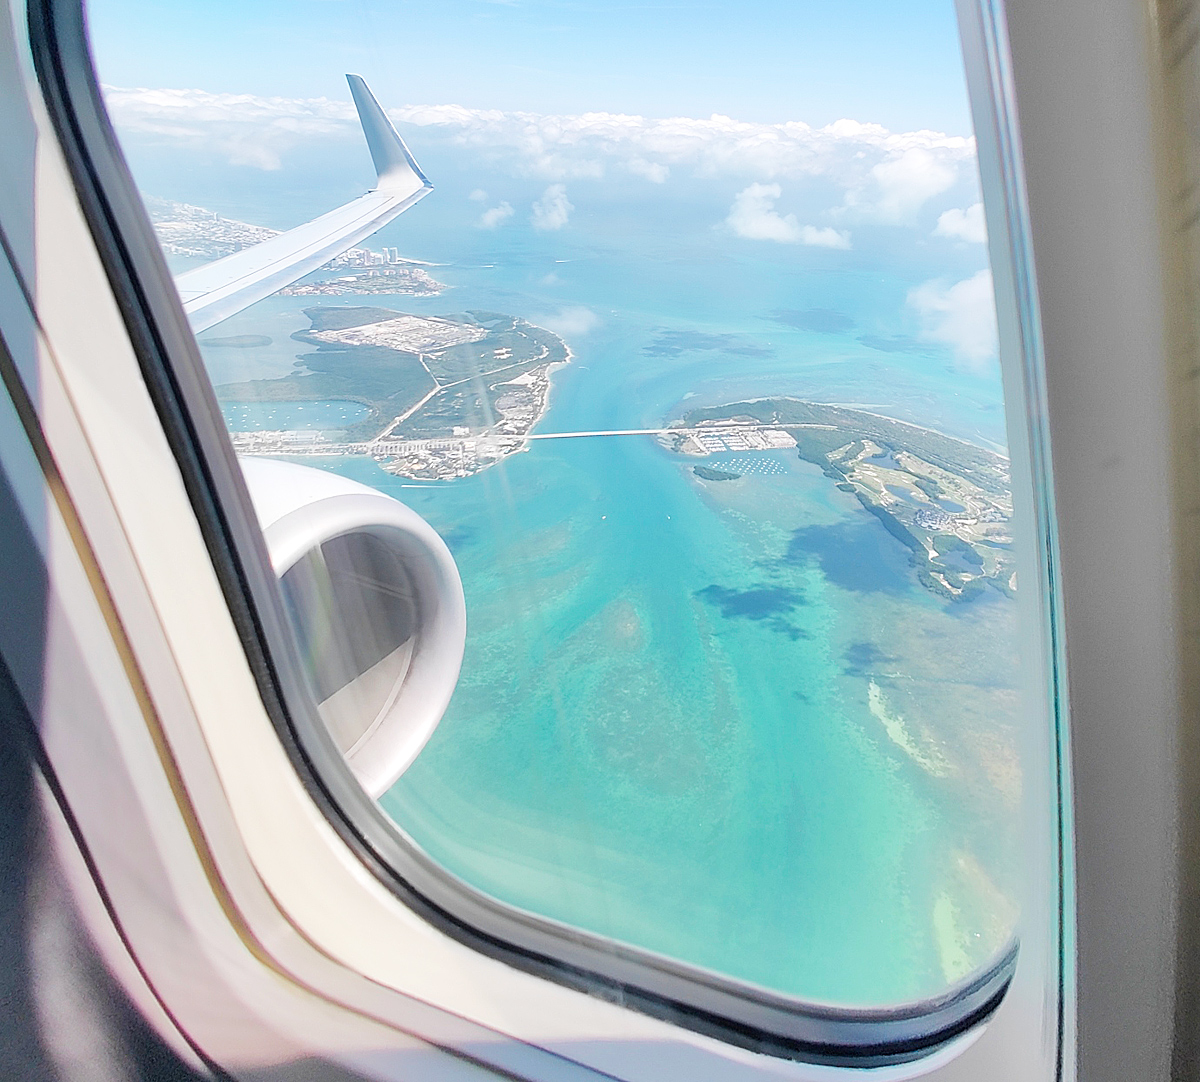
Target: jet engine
[(377, 606)]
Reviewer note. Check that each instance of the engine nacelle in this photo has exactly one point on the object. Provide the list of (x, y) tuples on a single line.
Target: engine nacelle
[(377, 606)]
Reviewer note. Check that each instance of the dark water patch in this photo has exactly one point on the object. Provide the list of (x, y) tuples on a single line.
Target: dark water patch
[(863, 658), (822, 320), (958, 561), (950, 506), (769, 605), (947, 545), (858, 556), (674, 343), (886, 460), (707, 473), (459, 537)]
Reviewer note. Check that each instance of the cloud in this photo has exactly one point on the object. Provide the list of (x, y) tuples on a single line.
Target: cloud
[(753, 216), (496, 216), (903, 183), (824, 238), (655, 172), (478, 196), (553, 210), (965, 225), (881, 174), (243, 128), (571, 322), (961, 316)]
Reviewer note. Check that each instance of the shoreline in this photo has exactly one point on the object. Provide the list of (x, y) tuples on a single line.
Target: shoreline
[(477, 408), (857, 409), (425, 459)]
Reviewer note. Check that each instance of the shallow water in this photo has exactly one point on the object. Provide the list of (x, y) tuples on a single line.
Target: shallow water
[(719, 720), (328, 416)]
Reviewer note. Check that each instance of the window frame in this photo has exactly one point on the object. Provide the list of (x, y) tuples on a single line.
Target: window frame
[(710, 1004)]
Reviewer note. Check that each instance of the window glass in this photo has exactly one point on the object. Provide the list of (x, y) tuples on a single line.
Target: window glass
[(690, 357)]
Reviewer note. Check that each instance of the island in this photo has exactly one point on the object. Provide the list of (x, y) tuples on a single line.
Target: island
[(238, 341), (447, 396), (198, 233), (948, 501), (405, 280)]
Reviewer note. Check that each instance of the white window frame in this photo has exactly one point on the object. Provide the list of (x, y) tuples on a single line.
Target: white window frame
[(188, 733)]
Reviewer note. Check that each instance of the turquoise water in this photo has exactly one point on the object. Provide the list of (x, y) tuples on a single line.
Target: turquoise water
[(718, 720), (328, 416)]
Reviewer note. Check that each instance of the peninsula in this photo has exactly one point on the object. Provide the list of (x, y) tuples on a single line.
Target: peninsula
[(198, 233), (949, 502), (447, 396)]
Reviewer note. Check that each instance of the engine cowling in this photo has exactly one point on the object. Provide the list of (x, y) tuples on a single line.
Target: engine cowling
[(377, 606)]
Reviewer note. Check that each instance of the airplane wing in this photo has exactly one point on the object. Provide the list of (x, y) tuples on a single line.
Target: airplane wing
[(224, 287)]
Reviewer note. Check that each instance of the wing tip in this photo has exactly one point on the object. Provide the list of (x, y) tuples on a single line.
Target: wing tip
[(392, 158)]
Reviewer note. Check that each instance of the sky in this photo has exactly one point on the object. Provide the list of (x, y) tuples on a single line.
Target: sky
[(838, 126), (764, 61)]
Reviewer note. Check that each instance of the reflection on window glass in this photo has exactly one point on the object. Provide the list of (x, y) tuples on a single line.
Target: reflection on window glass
[(698, 380)]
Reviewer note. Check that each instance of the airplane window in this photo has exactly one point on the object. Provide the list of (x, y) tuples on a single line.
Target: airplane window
[(678, 328)]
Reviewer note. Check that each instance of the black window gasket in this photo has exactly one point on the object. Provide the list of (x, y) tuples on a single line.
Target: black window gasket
[(729, 1010)]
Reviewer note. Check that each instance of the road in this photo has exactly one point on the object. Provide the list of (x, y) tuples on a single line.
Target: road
[(384, 446)]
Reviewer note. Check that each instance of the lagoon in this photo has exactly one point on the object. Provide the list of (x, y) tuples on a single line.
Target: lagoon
[(718, 720)]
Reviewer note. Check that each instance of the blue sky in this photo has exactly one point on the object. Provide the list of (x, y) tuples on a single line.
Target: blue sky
[(557, 120), (895, 64)]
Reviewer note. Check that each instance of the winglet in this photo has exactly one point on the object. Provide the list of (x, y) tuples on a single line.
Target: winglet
[(395, 166)]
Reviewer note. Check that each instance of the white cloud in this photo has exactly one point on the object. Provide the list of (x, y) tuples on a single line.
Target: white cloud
[(824, 238), (570, 322), (753, 216), (553, 210), (961, 316), (478, 196), (903, 183), (245, 129), (882, 174), (496, 216), (655, 172), (965, 225)]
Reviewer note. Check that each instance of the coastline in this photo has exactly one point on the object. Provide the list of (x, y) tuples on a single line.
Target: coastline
[(516, 405), (467, 455), (853, 408), (449, 396), (551, 368), (946, 500)]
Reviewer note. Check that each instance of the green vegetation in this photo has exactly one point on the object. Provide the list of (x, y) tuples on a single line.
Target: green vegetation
[(521, 345), (238, 341), (946, 501), (384, 380), (983, 468), (949, 544), (390, 382), (709, 474), (340, 317)]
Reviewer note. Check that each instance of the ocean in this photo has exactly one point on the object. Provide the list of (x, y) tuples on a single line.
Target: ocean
[(718, 720)]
